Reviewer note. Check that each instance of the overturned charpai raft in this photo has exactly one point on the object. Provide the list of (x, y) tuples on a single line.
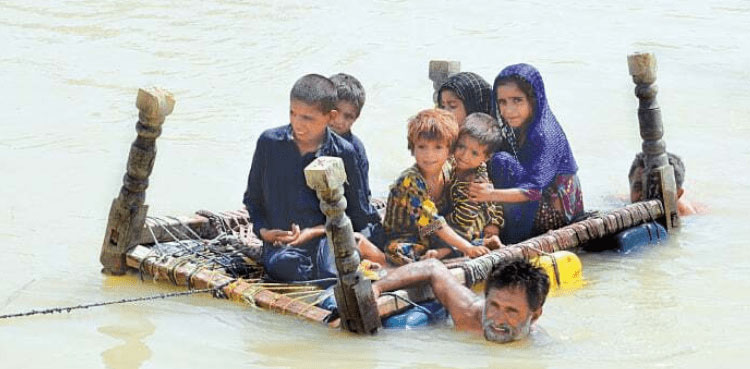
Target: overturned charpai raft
[(206, 251), (219, 250)]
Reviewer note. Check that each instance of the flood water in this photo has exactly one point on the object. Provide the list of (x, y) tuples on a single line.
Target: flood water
[(69, 74)]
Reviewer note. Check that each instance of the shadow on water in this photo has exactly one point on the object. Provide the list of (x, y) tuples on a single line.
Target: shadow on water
[(132, 327), (131, 352)]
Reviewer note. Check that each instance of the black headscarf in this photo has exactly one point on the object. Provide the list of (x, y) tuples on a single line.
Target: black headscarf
[(472, 89)]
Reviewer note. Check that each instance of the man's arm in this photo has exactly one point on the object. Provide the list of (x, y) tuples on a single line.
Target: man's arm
[(464, 306)]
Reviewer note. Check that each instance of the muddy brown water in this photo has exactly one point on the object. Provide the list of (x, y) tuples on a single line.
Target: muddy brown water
[(69, 73)]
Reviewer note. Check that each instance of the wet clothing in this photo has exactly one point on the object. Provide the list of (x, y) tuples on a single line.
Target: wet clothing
[(364, 164), (313, 262), (559, 204), (472, 89), (541, 164), (469, 218), (412, 216), (277, 196)]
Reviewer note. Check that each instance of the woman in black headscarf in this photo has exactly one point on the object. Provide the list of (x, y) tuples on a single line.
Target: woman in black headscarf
[(465, 93)]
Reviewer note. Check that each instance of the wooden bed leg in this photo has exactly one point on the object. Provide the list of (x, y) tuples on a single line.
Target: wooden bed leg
[(354, 297), (439, 72), (658, 175), (128, 212)]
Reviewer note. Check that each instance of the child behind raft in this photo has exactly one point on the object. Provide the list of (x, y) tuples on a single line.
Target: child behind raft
[(478, 138), (351, 99), (285, 212), (413, 223), (684, 206)]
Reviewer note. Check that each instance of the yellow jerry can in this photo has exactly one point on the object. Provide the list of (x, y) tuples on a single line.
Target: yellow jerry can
[(563, 268)]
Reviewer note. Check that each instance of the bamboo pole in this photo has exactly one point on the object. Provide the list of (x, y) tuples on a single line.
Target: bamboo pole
[(568, 237)]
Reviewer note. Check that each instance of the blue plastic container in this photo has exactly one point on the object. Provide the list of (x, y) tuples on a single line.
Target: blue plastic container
[(431, 312), (645, 234)]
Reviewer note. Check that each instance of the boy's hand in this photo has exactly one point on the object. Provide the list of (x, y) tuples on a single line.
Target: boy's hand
[(492, 242), (305, 235), (480, 192), (279, 236), (476, 251)]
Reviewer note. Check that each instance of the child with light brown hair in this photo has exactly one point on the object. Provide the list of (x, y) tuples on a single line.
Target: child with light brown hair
[(414, 227)]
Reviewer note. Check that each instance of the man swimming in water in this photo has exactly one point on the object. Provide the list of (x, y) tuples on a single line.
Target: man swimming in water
[(685, 207), (512, 302)]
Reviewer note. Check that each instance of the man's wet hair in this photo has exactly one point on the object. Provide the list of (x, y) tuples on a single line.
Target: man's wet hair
[(521, 274), (314, 89), (349, 89), (674, 160), (483, 128)]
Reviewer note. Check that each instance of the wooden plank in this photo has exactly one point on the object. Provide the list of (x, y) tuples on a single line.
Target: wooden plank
[(179, 270)]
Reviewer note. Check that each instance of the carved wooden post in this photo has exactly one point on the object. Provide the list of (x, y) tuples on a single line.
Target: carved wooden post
[(439, 72), (658, 176), (128, 213), (354, 297)]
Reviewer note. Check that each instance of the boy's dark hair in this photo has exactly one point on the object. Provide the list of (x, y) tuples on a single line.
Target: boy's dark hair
[(350, 90), (315, 89), (521, 274), (674, 160), (483, 128), (522, 84)]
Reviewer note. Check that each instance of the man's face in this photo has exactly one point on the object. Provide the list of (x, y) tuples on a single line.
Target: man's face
[(308, 122), (506, 316), (636, 186)]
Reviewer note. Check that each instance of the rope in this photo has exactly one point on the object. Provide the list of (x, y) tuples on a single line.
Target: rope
[(197, 237), (479, 269), (554, 262), (410, 302), (68, 309)]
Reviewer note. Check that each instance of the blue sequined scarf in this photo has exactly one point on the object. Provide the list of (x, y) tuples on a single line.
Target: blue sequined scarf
[(545, 153)]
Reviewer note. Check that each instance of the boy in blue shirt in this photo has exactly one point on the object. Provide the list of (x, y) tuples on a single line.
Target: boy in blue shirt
[(351, 99), (285, 212)]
